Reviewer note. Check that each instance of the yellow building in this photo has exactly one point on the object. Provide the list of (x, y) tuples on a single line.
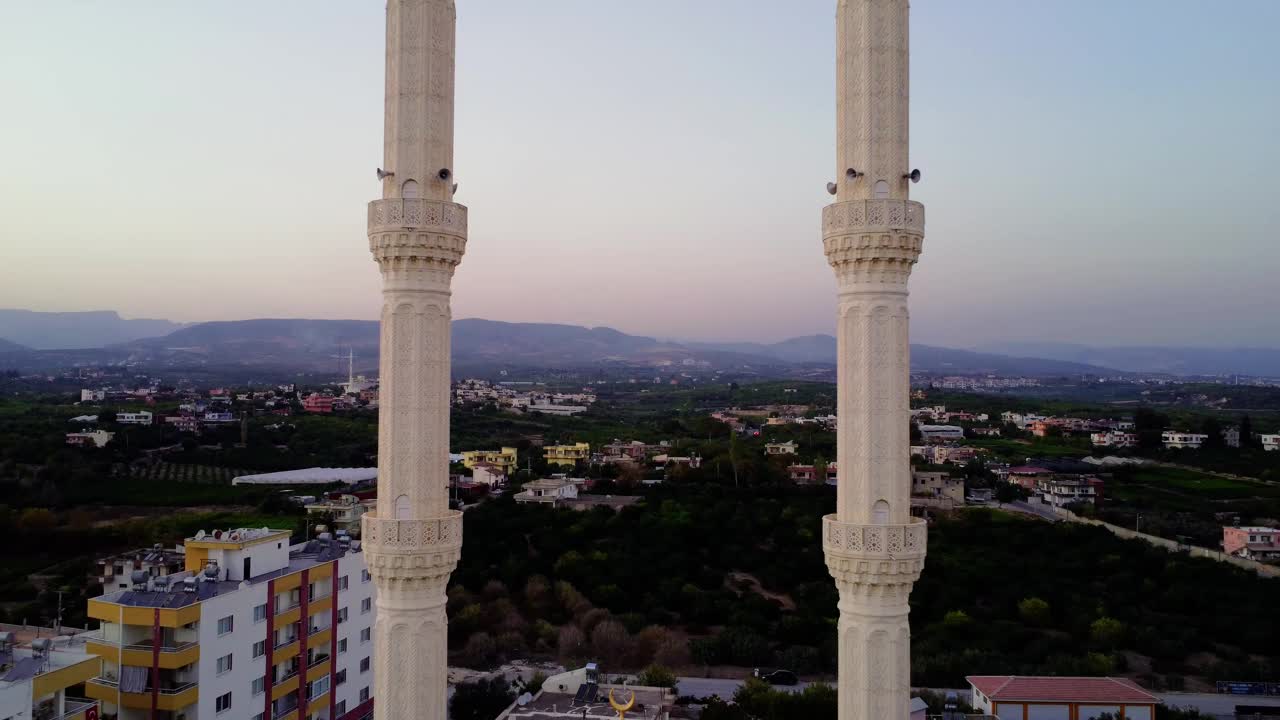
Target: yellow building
[(567, 455), (252, 628), (504, 458), (38, 671)]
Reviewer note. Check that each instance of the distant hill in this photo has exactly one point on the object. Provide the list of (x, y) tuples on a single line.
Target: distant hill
[(72, 330), (1263, 362), (10, 346), (317, 344), (821, 349)]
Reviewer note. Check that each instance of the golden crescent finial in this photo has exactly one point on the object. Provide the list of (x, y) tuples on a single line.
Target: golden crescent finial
[(622, 709)]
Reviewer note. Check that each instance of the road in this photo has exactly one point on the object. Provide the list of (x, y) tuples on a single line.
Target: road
[(1043, 512), (1220, 706)]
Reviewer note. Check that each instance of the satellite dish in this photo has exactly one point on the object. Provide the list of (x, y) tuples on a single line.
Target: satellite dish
[(913, 176), (384, 174), (217, 534), (199, 534), (831, 188)]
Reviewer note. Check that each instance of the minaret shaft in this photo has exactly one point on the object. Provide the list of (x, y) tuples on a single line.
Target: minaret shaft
[(417, 235), (872, 236)]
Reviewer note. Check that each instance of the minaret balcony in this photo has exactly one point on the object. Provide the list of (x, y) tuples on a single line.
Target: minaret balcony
[(417, 214), (855, 550)]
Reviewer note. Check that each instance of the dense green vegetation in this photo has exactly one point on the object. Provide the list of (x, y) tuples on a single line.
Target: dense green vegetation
[(1006, 595)]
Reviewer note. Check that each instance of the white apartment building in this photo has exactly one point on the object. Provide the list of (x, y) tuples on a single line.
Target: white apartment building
[(1270, 442), (252, 629), (93, 395), (550, 491), (142, 417), (1175, 440), (39, 672), (1114, 438)]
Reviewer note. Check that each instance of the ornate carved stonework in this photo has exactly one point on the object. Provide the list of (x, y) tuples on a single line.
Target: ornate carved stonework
[(872, 236), (417, 235)]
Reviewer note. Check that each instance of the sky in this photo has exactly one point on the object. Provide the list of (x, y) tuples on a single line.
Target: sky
[(1094, 171)]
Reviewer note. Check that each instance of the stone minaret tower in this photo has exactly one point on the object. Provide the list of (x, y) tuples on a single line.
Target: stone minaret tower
[(417, 235), (872, 236)]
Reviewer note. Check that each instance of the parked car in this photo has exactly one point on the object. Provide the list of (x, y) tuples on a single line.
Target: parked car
[(776, 677)]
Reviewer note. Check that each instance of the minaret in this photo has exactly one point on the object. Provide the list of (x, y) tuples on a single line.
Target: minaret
[(872, 236), (417, 235)]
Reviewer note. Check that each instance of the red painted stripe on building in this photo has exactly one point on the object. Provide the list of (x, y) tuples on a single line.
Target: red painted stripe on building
[(156, 634), (360, 711), (304, 632), (333, 642), (271, 646)]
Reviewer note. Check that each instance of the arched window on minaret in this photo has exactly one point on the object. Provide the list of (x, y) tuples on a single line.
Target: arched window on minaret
[(882, 190), (402, 507), (409, 190), (880, 513)]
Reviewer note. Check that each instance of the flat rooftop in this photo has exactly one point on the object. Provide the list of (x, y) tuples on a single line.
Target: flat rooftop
[(556, 706), (301, 557)]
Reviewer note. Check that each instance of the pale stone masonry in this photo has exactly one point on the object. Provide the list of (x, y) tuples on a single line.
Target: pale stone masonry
[(872, 235), (417, 235)]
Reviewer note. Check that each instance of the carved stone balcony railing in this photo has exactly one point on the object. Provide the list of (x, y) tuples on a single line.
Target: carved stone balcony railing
[(875, 541), (417, 214), (413, 535), (862, 215)]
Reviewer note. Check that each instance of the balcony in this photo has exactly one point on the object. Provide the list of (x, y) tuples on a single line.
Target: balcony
[(286, 642), (74, 709), (175, 696)]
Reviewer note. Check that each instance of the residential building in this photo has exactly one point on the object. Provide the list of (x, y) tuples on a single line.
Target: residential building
[(141, 417), (1114, 438), (252, 628), (504, 459), (184, 423), (488, 474), (1061, 491), (97, 438), (567, 455), (634, 450), (1252, 542), (1270, 442), (1066, 698), (39, 667), (1175, 440), (1231, 437), (93, 395), (808, 474), (938, 485), (343, 509), (782, 448), (941, 433), (317, 403), (1028, 476), (116, 572), (550, 491), (664, 460), (214, 416)]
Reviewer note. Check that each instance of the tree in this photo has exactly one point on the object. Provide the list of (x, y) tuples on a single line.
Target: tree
[(656, 676), (1246, 434), (479, 651), (1212, 430), (481, 700), (571, 645), (1106, 631), (1034, 611)]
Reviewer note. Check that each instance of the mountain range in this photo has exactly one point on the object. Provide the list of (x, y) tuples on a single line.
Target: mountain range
[(1171, 360), (34, 339), (71, 330), (319, 345)]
